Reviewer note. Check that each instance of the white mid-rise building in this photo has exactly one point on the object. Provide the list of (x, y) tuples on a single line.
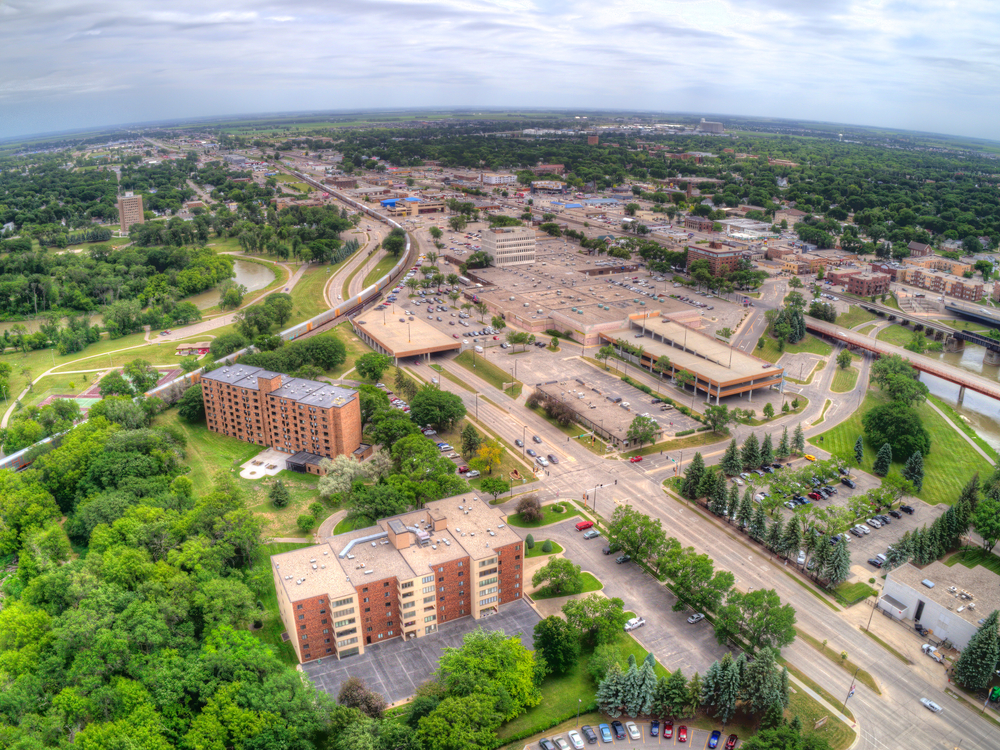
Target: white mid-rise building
[(510, 246), (491, 178)]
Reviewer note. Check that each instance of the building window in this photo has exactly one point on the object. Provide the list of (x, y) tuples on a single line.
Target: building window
[(302, 617), (430, 618), (427, 579)]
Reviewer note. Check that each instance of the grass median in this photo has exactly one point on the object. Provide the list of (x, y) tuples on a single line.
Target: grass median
[(590, 584), (837, 658), (495, 376), (844, 380)]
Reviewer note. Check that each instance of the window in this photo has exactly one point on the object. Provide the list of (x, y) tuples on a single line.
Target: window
[(427, 579), (488, 581), (347, 641), (366, 599), (441, 579), (305, 637), (342, 623), (460, 574), (440, 570), (302, 617), (427, 589), (461, 564), (390, 633), (302, 627), (368, 609), (428, 599), (381, 636), (430, 618), (484, 602), (342, 602), (326, 630), (299, 606), (364, 590), (340, 612)]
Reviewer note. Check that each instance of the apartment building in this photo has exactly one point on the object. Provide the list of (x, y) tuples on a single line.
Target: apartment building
[(130, 211), (402, 578), (698, 223), (491, 178), (803, 263), (548, 169), (303, 418), (509, 246), (939, 282), (867, 284), (721, 258), (940, 263)]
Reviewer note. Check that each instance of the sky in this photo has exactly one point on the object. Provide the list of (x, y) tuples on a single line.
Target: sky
[(918, 65)]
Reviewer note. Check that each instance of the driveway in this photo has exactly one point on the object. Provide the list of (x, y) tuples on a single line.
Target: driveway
[(396, 667)]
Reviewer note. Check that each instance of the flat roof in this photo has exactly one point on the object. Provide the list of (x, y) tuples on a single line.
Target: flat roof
[(981, 582), (244, 376), (313, 393), (710, 358), (407, 339)]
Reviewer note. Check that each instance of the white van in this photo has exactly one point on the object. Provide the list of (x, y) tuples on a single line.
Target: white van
[(479, 350)]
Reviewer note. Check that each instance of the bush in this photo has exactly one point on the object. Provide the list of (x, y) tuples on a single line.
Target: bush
[(529, 508), (529, 542), (306, 523), (682, 433), (547, 546)]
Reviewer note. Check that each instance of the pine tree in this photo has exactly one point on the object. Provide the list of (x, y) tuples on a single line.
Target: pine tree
[(774, 533), (731, 462), (796, 725), (975, 666), (610, 692), (821, 553), (859, 450), (718, 495), (760, 684), (799, 440), (692, 477), (695, 688), (785, 692), (914, 470), (758, 524), (784, 449), (750, 454), (793, 538), (784, 407), (734, 502), (727, 689), (279, 495), (971, 492), (745, 513), (628, 685), (773, 718), (677, 697), (838, 564), (529, 542), (767, 450), (661, 699), (644, 689), (707, 485), (883, 461)]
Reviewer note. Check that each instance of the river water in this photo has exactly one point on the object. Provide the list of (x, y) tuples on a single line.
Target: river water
[(253, 276)]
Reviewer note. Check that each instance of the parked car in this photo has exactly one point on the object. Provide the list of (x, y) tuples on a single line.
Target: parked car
[(682, 733), (809, 457), (801, 559), (696, 617), (848, 482), (584, 525), (637, 459), (875, 561), (906, 509), (713, 740), (561, 743), (815, 496), (589, 733), (895, 514), (575, 739), (621, 559), (635, 622), (462, 469), (605, 733), (591, 534), (668, 729), (932, 652), (472, 474), (546, 744), (611, 548), (731, 742), (619, 730), (654, 728), (633, 730)]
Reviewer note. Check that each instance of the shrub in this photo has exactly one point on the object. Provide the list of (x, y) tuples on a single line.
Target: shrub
[(529, 542), (682, 433), (547, 546), (306, 523), (279, 495), (529, 508)]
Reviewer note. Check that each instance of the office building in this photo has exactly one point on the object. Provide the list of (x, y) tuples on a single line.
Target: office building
[(402, 578), (706, 126), (491, 178), (129, 211), (304, 418), (509, 246)]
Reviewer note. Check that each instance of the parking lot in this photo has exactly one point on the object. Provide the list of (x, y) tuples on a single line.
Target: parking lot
[(396, 667), (697, 739)]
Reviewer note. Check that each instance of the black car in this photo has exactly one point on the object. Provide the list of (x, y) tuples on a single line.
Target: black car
[(777, 466), (906, 509), (553, 458), (546, 744), (622, 559), (618, 729), (883, 518), (842, 470), (767, 469), (825, 491), (895, 514), (589, 734), (611, 548), (848, 482), (875, 561)]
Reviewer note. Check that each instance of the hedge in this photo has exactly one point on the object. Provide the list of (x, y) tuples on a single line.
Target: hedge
[(682, 433)]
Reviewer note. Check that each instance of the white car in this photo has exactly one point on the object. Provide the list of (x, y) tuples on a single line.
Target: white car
[(738, 481), (931, 705), (696, 617), (632, 729), (635, 622), (575, 739), (801, 559)]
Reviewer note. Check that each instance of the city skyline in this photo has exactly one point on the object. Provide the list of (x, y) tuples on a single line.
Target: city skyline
[(920, 67)]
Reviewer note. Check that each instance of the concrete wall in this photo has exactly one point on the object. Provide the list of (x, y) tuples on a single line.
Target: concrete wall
[(945, 624)]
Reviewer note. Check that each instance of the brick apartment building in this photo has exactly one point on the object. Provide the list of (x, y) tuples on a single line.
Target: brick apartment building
[(841, 275), (778, 252), (721, 258), (402, 578), (304, 418), (130, 211), (698, 223), (939, 282), (867, 284)]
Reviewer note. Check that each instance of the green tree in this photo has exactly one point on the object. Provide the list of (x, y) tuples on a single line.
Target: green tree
[(279, 495), (113, 384), (371, 366), (191, 405), (436, 407), (279, 307), (766, 450), (598, 618), (844, 359), (610, 696), (558, 643), (642, 430), (750, 452), (692, 477), (898, 425), (639, 535), (768, 411), (977, 662), (859, 450), (732, 463), (837, 566), (761, 683), (471, 440), (883, 461), (561, 575), (784, 449), (986, 520), (758, 617), (717, 417), (913, 470), (467, 722), (494, 486), (799, 440), (695, 581), (529, 542), (604, 657)]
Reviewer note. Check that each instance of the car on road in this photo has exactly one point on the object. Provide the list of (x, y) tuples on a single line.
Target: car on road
[(848, 482), (591, 534), (531, 453), (536, 439), (654, 728), (713, 740), (696, 617), (553, 458), (931, 705), (542, 461), (546, 744), (519, 443), (622, 559), (633, 730), (589, 733), (682, 733), (619, 729), (731, 742), (809, 457), (635, 459), (605, 733), (575, 739)]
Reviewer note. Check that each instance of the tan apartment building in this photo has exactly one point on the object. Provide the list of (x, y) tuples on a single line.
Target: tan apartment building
[(510, 246), (492, 178), (803, 263), (402, 578), (939, 282), (130, 211), (306, 419), (939, 263)]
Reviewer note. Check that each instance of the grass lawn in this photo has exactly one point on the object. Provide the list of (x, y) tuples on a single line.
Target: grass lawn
[(270, 633), (834, 655), (307, 295), (844, 380), (355, 348), (896, 335), (839, 735), (61, 385), (551, 513), (810, 344), (350, 524), (590, 583), (947, 467), (822, 414), (537, 550), (972, 557), (955, 417), (866, 329), (855, 316), (489, 372), (381, 269), (849, 593), (708, 437)]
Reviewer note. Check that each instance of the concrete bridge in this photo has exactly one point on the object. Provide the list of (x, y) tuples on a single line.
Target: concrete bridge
[(953, 338), (962, 378)]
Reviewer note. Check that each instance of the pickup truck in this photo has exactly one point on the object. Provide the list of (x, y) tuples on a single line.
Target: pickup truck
[(635, 622), (932, 652)]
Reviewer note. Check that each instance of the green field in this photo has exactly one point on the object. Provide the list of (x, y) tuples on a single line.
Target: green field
[(810, 344), (866, 329), (949, 465), (549, 516), (489, 372), (896, 335), (536, 551), (355, 348), (855, 316), (379, 270), (698, 439), (307, 295), (972, 557), (844, 380), (590, 583)]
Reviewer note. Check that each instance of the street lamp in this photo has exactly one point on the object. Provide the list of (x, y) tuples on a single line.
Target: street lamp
[(579, 702)]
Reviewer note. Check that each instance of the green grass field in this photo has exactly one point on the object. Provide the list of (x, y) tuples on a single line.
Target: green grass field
[(355, 348), (489, 372), (810, 344), (855, 316), (970, 558), (866, 329), (549, 516), (307, 295), (379, 270), (896, 335), (590, 584), (947, 467), (844, 380)]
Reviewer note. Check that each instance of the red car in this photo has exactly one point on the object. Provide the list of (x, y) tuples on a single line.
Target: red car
[(635, 459), (462, 469), (668, 729), (815, 496), (731, 742), (584, 525), (682, 734)]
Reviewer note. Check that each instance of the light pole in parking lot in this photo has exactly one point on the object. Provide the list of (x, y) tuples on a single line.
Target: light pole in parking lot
[(579, 702)]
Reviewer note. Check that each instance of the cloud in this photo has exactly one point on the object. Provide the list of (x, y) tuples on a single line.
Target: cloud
[(917, 64)]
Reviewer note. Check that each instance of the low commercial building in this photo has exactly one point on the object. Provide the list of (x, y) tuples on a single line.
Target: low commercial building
[(341, 183), (399, 336), (412, 206), (492, 178), (548, 169), (777, 252), (722, 258), (951, 602), (548, 186), (698, 223), (867, 284), (804, 263), (509, 246), (402, 578)]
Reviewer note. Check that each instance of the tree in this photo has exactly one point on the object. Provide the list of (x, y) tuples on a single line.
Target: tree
[(784, 449), (986, 520), (191, 404), (844, 359), (768, 411), (978, 660), (766, 450), (671, 697), (113, 384), (642, 430), (604, 657), (603, 354), (695, 581), (745, 512), (558, 643), (731, 463), (394, 244), (610, 696), (692, 477), (799, 440), (371, 366), (489, 455), (391, 425), (727, 688), (758, 524), (529, 542), (913, 470), (883, 460), (141, 375), (750, 453), (598, 618), (494, 486), (279, 307), (761, 684), (694, 692), (436, 407), (467, 722), (758, 617), (859, 450), (717, 417), (561, 575), (641, 688), (639, 535), (529, 509), (838, 564), (899, 426), (457, 223), (279, 495), (355, 694)]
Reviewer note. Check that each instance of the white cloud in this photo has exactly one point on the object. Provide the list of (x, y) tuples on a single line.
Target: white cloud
[(917, 64)]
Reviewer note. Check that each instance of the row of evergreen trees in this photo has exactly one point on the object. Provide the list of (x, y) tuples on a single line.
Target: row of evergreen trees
[(752, 454), (758, 685)]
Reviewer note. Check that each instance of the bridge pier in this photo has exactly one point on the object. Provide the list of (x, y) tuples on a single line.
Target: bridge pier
[(939, 335), (992, 357), (952, 344), (961, 394)]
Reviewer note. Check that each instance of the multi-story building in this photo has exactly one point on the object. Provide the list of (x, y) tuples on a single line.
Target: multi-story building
[(803, 263), (548, 169), (304, 418), (548, 186), (919, 249), (698, 223), (940, 263), (721, 258), (841, 275), (939, 282), (777, 252), (867, 284), (491, 178), (402, 578), (130, 211), (509, 246)]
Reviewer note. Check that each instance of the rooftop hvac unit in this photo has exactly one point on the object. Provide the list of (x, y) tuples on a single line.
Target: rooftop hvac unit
[(434, 546), (373, 544), (323, 567), (313, 560), (369, 572), (501, 525), (472, 533), (350, 557), (314, 567)]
